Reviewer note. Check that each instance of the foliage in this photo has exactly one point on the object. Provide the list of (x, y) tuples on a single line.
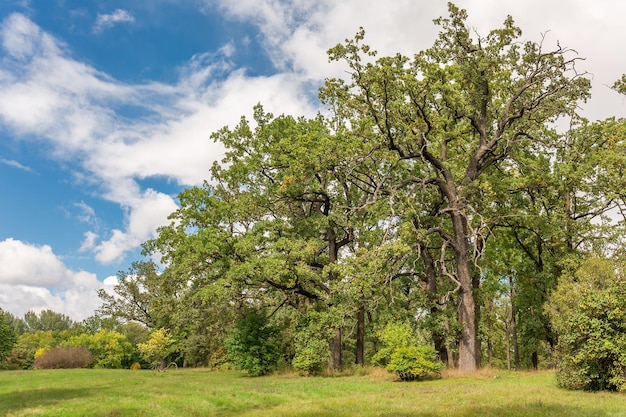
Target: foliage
[(394, 336), (109, 348), (311, 343), (252, 345), (158, 347), (30, 342), (592, 344), (435, 190), (64, 358), (7, 340), (47, 320), (415, 362)]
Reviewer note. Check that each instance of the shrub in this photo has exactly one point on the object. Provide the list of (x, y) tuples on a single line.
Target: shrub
[(311, 357), (311, 343), (110, 349), (592, 350), (588, 311), (415, 362), (64, 358), (393, 336), (135, 366), (157, 348), (252, 344)]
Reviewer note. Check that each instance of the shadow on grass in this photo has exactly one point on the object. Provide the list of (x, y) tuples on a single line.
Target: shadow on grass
[(522, 410), (529, 410), (12, 402)]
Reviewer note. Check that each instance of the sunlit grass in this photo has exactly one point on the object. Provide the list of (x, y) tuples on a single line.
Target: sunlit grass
[(203, 393)]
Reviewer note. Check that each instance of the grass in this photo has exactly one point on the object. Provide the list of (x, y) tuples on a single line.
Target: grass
[(90, 392)]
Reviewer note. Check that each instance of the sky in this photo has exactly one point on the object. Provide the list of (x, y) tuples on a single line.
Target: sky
[(107, 107)]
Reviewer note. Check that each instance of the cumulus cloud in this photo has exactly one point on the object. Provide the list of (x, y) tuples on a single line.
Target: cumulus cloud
[(47, 93), (32, 277), (108, 20)]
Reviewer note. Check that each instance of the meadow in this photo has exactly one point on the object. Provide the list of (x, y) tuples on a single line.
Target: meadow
[(93, 392)]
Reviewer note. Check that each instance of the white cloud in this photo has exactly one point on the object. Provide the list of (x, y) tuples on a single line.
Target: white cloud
[(89, 243), (87, 213), (15, 164), (73, 106), (33, 278), (146, 212), (106, 21)]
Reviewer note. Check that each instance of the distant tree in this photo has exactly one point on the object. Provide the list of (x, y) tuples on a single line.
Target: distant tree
[(47, 320), (7, 340), (95, 323), (17, 324)]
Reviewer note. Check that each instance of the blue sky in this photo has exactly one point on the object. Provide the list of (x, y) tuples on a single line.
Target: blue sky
[(106, 108)]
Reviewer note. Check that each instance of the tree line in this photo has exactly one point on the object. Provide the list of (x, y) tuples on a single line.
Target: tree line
[(449, 193)]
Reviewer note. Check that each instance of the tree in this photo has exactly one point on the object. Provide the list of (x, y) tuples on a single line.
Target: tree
[(589, 310), (252, 345), (144, 294), (158, 348), (7, 340), (303, 190), (454, 116), (47, 320)]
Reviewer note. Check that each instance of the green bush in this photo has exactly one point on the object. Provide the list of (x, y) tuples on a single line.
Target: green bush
[(415, 362), (311, 343), (592, 345), (252, 344), (393, 336), (311, 357)]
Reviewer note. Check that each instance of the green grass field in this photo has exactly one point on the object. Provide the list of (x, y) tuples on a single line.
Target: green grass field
[(90, 392)]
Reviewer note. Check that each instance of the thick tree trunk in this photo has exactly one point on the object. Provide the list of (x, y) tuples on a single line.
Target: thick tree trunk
[(468, 346), (360, 336), (334, 345)]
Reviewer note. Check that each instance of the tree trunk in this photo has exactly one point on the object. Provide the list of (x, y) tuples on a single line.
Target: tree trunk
[(489, 330), (360, 336), (514, 326), (468, 347), (334, 345), (439, 339)]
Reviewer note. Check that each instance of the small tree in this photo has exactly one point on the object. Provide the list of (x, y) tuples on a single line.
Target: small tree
[(312, 351), (7, 340), (394, 336), (252, 345), (403, 354), (592, 337), (158, 347)]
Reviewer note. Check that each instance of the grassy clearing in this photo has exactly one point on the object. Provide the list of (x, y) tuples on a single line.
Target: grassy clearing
[(202, 393)]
